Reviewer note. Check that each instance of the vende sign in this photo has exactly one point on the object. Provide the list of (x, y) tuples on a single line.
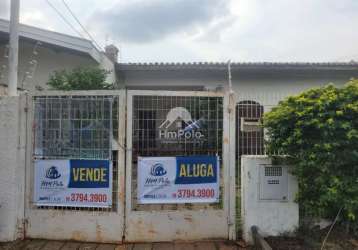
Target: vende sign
[(181, 179), (77, 183)]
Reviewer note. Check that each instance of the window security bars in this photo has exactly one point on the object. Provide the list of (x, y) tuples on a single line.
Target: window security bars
[(250, 135), (250, 109)]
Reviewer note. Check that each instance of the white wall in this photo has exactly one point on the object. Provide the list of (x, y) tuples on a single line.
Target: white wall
[(267, 87), (12, 167), (271, 217)]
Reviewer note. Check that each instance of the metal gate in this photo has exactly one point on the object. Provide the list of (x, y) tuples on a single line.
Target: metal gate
[(86, 125), (92, 125), (147, 111)]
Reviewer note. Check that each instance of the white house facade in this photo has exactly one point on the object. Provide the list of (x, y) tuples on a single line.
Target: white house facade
[(189, 120)]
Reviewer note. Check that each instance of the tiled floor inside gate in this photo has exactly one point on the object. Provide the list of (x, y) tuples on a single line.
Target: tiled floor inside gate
[(70, 245)]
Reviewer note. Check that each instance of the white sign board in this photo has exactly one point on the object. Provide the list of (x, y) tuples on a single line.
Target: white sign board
[(76, 183), (183, 179)]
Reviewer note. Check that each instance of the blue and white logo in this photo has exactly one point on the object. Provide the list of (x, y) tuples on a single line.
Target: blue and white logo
[(158, 170), (52, 173)]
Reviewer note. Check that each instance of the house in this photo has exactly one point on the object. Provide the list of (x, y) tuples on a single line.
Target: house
[(156, 122), (41, 52), (258, 86), (269, 78)]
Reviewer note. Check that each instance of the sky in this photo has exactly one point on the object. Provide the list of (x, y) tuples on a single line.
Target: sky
[(208, 30)]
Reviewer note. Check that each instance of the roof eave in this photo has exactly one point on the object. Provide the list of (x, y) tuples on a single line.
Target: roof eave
[(331, 66), (55, 38)]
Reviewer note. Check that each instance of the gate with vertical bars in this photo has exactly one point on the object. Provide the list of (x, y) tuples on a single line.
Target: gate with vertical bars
[(82, 125), (147, 111), (120, 127)]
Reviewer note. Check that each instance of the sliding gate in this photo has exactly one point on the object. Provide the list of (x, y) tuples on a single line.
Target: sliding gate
[(75, 166), (173, 140)]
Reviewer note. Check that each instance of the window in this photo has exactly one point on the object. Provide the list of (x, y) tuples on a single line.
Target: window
[(250, 136)]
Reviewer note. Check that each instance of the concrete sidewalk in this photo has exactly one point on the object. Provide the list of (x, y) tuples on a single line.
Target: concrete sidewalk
[(71, 245)]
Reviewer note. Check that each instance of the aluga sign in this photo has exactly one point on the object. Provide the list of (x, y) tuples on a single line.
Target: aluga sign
[(180, 179), (172, 127)]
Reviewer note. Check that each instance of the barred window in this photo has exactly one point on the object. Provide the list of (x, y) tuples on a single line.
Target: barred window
[(250, 135)]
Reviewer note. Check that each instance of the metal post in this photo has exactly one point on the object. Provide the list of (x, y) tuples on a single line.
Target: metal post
[(231, 163), (229, 76), (14, 47)]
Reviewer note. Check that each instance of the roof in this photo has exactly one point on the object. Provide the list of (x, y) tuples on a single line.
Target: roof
[(54, 38), (241, 66)]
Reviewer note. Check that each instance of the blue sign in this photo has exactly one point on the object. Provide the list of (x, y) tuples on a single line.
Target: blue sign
[(196, 169), (89, 174)]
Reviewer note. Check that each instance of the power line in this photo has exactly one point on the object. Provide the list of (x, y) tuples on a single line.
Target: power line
[(64, 18), (78, 21)]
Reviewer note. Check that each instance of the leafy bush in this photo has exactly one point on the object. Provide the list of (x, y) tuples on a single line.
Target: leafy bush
[(318, 130), (80, 79)]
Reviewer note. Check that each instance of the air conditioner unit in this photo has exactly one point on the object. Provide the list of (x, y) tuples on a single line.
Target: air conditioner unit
[(250, 125)]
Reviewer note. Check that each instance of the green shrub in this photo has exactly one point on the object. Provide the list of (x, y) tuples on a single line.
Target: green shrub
[(80, 79), (318, 130)]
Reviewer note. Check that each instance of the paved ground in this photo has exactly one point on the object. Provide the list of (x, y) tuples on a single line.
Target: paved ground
[(70, 245)]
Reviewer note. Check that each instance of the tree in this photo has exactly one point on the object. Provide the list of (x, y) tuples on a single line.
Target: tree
[(80, 79), (318, 130)]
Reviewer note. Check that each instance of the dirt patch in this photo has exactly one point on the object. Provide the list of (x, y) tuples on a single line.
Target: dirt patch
[(312, 239), (284, 243)]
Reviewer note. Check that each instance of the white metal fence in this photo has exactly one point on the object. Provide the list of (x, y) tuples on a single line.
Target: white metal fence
[(77, 127), (73, 127), (250, 135), (88, 125), (149, 112), (92, 125), (250, 108)]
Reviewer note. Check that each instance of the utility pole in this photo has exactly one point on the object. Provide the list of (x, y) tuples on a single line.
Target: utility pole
[(14, 47), (229, 75)]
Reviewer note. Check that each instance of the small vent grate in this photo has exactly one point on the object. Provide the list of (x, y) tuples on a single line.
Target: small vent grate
[(273, 182), (273, 171)]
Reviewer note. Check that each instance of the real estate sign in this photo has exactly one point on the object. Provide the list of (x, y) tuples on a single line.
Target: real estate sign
[(76, 183), (181, 179)]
